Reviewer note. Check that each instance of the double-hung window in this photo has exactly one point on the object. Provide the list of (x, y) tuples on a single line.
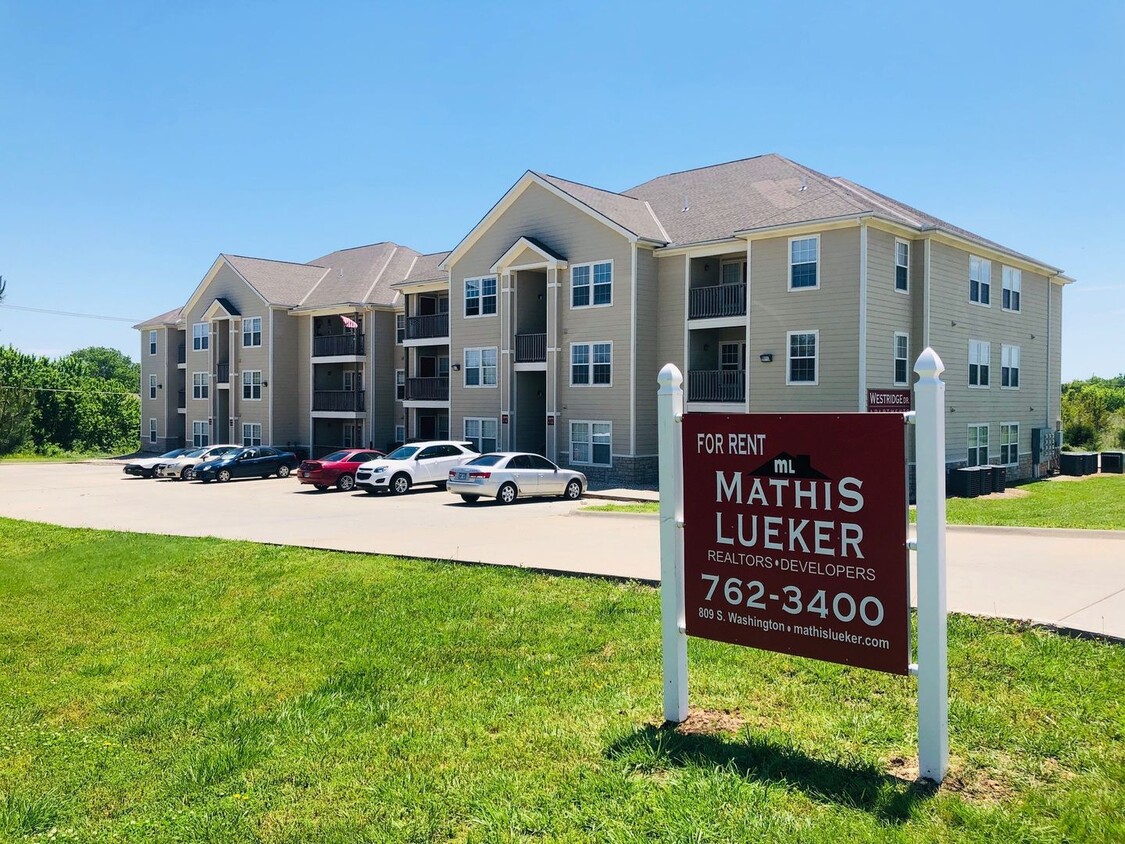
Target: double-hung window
[(482, 433), (251, 332), (199, 435), (200, 385), (1009, 367), (591, 284), (252, 384), (979, 354), (591, 363), (480, 296), (152, 342), (804, 258), (732, 356), (152, 430), (1011, 280), (978, 445), (902, 359), (480, 367), (980, 280), (251, 433), (152, 386), (1010, 444), (400, 384), (801, 357), (200, 336), (590, 443), (400, 328), (902, 266), (400, 433)]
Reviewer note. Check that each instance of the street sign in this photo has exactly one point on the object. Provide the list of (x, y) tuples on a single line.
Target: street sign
[(795, 535), (888, 401)]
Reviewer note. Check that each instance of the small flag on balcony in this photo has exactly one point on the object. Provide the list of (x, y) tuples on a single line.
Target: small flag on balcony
[(348, 322)]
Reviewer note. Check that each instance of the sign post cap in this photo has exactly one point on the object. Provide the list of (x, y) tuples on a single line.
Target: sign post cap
[(929, 365), (670, 377)]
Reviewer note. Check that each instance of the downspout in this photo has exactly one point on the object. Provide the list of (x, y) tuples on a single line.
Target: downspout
[(633, 360), (862, 316)]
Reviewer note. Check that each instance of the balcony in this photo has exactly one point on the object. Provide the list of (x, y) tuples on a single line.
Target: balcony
[(717, 385), (531, 348), (722, 300), (331, 345), (427, 389), (222, 372), (339, 401), (181, 353), (425, 327)]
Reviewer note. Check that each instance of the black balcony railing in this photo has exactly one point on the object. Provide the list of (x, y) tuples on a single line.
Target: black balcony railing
[(427, 389), (531, 348), (181, 353), (722, 300), (430, 325), (343, 401), (337, 344), (181, 399), (717, 385), (222, 372)]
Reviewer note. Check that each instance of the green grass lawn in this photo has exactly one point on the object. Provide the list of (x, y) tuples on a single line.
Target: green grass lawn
[(175, 689), (1096, 502)]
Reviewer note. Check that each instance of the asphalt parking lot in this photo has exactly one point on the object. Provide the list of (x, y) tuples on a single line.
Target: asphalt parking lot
[(1069, 578)]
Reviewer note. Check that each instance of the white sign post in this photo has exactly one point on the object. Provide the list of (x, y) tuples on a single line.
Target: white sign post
[(670, 410), (933, 672)]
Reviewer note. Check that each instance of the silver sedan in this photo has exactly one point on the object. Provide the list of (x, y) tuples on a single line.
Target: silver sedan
[(508, 475)]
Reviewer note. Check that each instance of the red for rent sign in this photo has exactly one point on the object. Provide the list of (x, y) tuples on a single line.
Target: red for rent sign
[(795, 535)]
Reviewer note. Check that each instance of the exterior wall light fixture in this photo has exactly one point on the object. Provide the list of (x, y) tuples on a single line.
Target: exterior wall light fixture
[(766, 357)]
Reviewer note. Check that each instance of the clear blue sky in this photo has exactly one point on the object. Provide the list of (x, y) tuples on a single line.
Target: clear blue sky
[(139, 140)]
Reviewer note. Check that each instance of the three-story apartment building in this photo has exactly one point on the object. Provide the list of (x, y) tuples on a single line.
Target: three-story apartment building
[(773, 287)]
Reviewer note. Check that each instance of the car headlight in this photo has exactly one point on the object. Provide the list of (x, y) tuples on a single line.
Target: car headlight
[(378, 470)]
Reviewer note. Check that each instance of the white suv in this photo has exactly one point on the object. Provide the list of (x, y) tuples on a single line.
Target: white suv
[(182, 467), (415, 463)]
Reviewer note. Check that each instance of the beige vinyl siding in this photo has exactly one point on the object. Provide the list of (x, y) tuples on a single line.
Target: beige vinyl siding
[(253, 358), (648, 360), (579, 238), (833, 310), (157, 408), (1054, 371), (302, 352), (671, 316), (918, 298), (888, 311), (285, 381), (379, 381)]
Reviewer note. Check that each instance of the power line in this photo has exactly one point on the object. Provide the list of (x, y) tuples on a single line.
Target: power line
[(70, 390), (68, 313)]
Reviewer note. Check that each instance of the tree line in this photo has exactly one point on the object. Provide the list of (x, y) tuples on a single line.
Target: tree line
[(87, 401), (1094, 413)]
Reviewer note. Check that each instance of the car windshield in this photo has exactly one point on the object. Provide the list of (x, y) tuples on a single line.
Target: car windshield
[(486, 460), (176, 452), (195, 452), (336, 456), (403, 452)]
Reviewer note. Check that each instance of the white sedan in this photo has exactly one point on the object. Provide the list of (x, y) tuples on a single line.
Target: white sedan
[(508, 475), (182, 468)]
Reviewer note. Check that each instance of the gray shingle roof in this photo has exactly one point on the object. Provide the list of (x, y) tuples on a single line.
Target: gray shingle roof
[(278, 282), (362, 274), (426, 269), (167, 318), (631, 213)]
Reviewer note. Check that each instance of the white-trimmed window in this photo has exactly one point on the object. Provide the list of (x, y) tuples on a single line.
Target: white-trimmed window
[(152, 342), (1011, 280), (252, 384), (591, 363), (482, 433), (152, 386), (801, 356), (480, 296), (1009, 367), (902, 359), (200, 385), (200, 336), (902, 266), (1010, 444), (732, 356), (591, 285), (733, 271), (400, 329), (353, 380), (400, 384), (152, 430), (978, 445), (804, 261), (980, 280), (251, 332), (251, 433), (400, 433), (480, 367), (591, 443), (979, 354), (200, 438)]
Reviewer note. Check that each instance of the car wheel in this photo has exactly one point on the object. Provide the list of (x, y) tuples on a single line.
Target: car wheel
[(507, 493), (283, 471), (346, 483), (321, 487), (148, 474), (223, 476), (400, 484), (470, 499), (573, 491), (187, 474)]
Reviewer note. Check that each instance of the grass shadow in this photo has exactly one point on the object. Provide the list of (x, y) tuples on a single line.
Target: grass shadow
[(889, 798)]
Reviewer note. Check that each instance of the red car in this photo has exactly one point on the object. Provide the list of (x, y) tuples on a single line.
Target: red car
[(337, 469)]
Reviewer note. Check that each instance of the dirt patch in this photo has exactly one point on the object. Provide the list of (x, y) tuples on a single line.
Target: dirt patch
[(705, 722), (976, 784)]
